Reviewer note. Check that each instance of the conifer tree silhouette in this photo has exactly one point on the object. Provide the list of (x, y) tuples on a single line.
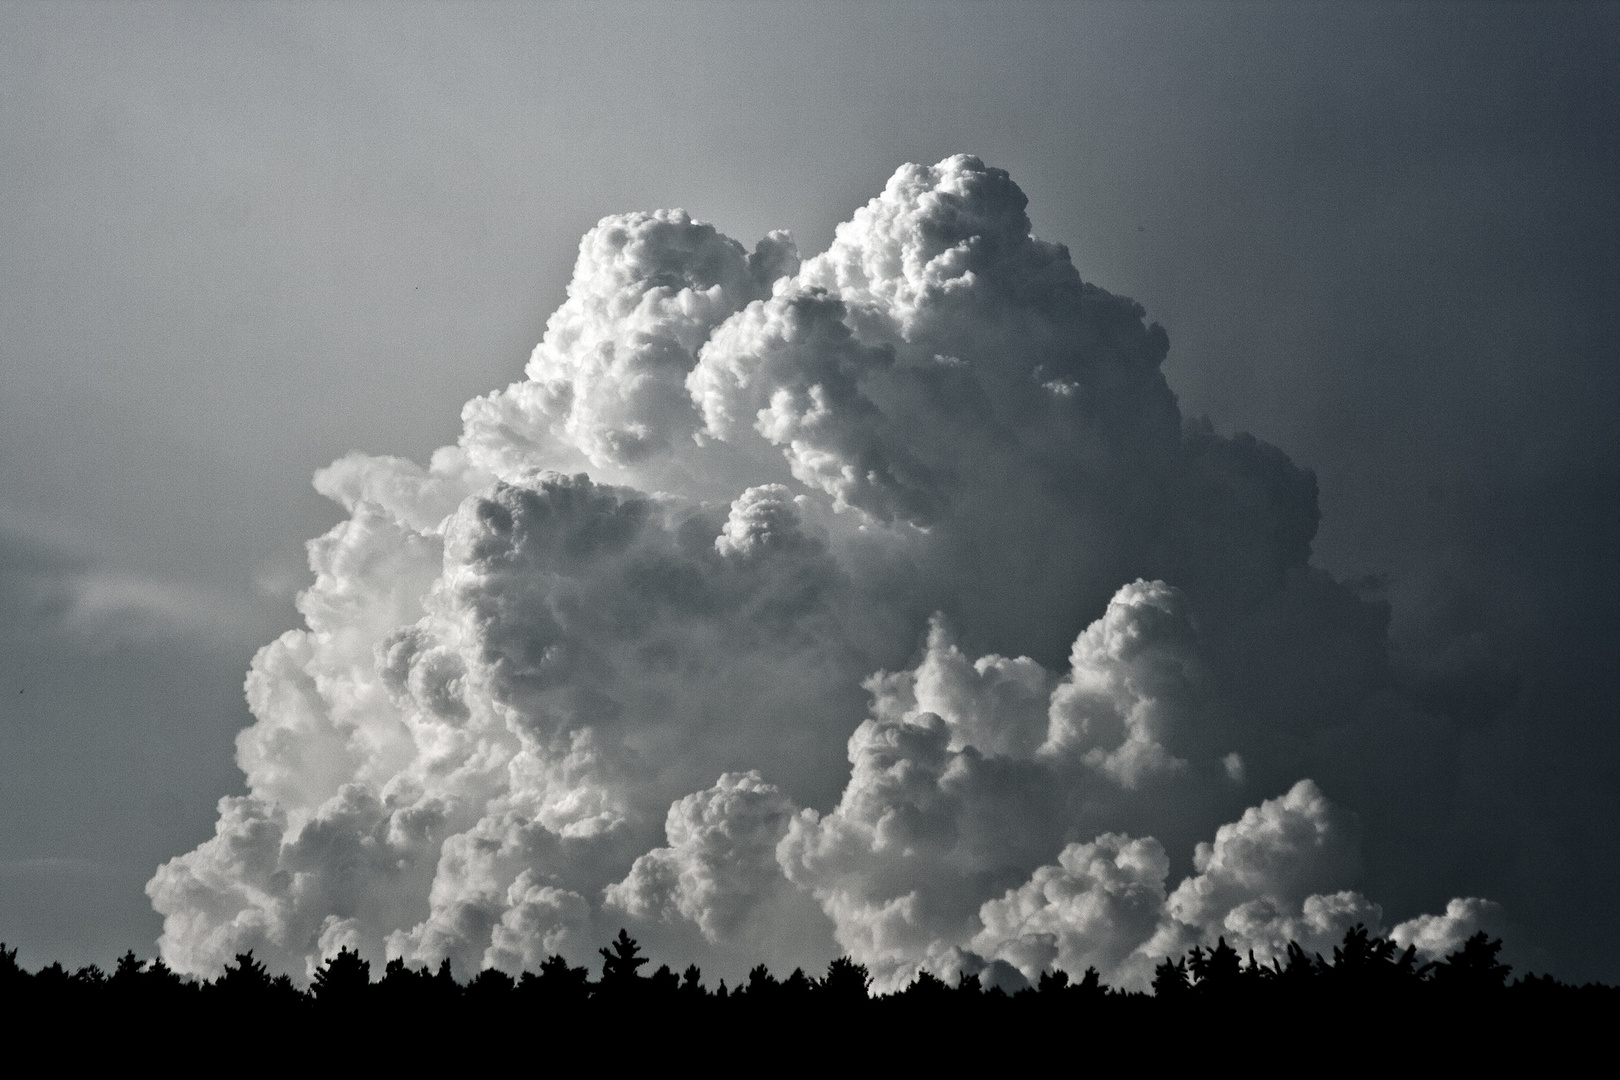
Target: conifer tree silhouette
[(620, 961), (1474, 968), (163, 982), (796, 987), (248, 981), (761, 983), (692, 982), (401, 987), (1053, 981), (663, 983), (557, 985), (926, 987), (491, 988), (89, 977), (127, 972), (1364, 963), (443, 985), (53, 978), (343, 980), (846, 981), (1217, 972)]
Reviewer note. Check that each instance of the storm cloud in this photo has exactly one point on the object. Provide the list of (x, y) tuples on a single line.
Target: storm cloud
[(881, 602)]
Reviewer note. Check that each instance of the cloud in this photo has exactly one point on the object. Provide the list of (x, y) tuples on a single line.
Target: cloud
[(1093, 908), (720, 860), (51, 585), (1435, 936), (883, 598), (1131, 676), (1273, 876)]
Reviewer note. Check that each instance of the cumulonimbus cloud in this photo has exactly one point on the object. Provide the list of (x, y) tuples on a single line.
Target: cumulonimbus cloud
[(881, 602)]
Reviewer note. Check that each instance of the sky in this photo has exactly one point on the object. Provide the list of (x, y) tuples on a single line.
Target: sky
[(241, 242)]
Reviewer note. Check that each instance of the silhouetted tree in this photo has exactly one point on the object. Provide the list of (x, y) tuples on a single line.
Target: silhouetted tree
[(1473, 969), (1364, 963), (1090, 984), (127, 972), (692, 982), (1216, 973), (1299, 974), (442, 987), (1170, 980), (1052, 982), (13, 979), (53, 978), (1539, 987), (401, 986), (663, 983), (845, 981), (761, 983), (620, 962), (343, 980), (283, 993), (89, 977), (926, 987), (491, 988), (556, 985), (249, 981)]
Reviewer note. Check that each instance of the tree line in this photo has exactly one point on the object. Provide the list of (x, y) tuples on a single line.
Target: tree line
[(1363, 965), (1371, 999)]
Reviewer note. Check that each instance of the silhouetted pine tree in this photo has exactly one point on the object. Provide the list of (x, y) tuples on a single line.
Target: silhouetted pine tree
[(846, 981), (692, 983), (342, 981), (1090, 985), (490, 989), (556, 985), (761, 986), (797, 988), (663, 983), (1473, 969), (926, 989), (620, 964), (248, 983)]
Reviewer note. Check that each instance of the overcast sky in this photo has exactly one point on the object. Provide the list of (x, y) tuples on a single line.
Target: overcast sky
[(239, 241)]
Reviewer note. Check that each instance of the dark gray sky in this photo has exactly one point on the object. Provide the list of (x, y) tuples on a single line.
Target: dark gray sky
[(238, 241)]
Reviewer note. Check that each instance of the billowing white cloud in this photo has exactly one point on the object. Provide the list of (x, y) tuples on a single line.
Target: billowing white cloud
[(608, 379), (720, 861), (1131, 678), (1271, 877), (908, 545), (1093, 908), (994, 704), (1436, 936)]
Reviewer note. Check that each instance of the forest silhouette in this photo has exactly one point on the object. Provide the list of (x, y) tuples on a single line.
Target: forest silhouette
[(1369, 983)]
